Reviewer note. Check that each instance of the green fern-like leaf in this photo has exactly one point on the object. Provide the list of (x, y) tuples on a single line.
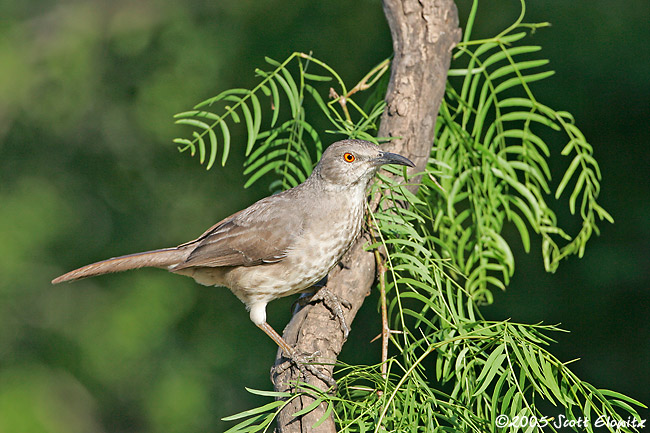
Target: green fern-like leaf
[(493, 165), (285, 145)]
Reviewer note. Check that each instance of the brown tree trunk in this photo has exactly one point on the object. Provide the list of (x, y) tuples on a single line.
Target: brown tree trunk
[(424, 33)]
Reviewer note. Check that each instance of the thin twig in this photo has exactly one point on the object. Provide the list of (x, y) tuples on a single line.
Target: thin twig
[(366, 82), (381, 276), (385, 330)]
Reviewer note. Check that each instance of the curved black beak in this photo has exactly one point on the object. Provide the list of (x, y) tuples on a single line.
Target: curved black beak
[(393, 158)]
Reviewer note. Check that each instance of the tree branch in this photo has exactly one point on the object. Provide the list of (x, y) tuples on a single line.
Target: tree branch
[(424, 33)]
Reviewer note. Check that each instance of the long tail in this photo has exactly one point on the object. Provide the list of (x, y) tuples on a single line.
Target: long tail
[(154, 259)]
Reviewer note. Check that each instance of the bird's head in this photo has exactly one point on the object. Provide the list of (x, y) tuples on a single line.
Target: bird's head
[(349, 162)]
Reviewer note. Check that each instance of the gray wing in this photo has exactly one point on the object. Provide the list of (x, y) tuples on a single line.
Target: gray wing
[(261, 233)]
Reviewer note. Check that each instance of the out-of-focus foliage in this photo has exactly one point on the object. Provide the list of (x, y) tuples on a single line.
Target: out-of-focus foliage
[(88, 170)]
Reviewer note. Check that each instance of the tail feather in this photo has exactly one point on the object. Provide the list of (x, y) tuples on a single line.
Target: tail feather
[(155, 259)]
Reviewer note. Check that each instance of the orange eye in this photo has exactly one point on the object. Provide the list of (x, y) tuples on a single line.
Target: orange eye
[(348, 157)]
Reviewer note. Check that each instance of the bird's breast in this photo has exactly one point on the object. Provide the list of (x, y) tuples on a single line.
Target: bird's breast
[(322, 241)]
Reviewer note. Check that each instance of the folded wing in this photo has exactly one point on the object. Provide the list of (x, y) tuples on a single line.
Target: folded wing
[(256, 235)]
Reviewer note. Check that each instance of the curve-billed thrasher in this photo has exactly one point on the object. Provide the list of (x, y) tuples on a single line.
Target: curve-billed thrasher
[(281, 245)]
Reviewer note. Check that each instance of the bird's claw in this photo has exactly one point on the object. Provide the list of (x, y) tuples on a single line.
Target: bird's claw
[(304, 364), (334, 303)]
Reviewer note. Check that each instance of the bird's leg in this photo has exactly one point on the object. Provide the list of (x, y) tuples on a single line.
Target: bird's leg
[(335, 304), (301, 362)]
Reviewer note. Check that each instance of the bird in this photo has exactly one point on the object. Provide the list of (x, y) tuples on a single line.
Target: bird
[(280, 245)]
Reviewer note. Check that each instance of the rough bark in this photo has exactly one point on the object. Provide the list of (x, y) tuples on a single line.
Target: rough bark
[(424, 33)]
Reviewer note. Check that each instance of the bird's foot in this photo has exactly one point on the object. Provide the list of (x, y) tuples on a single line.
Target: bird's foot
[(335, 304), (302, 362), (305, 366)]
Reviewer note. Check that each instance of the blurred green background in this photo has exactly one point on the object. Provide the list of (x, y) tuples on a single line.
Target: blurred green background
[(88, 171)]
